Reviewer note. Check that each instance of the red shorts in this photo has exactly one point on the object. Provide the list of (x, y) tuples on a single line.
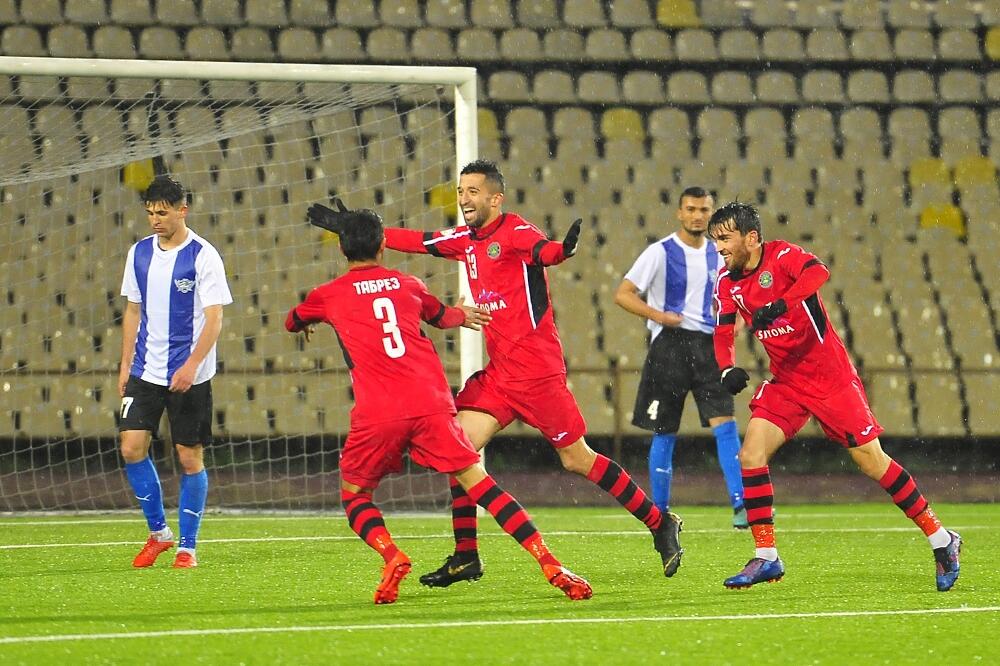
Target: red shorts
[(545, 404), (844, 416), (435, 441)]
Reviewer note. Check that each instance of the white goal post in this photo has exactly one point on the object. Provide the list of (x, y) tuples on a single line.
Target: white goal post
[(255, 143)]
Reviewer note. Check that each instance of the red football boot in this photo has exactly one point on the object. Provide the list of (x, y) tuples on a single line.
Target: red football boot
[(153, 548), (393, 574), (574, 587)]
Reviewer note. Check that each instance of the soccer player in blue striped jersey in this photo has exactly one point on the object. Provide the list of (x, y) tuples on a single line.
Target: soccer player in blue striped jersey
[(677, 276), (176, 286)]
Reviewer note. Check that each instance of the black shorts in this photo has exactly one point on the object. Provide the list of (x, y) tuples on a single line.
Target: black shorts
[(679, 361), (190, 413)]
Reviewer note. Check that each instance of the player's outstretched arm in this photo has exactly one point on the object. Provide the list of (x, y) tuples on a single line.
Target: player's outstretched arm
[(545, 252), (572, 237), (327, 218)]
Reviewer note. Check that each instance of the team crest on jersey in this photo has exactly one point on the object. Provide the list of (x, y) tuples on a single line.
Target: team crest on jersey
[(184, 285), (493, 251), (765, 280)]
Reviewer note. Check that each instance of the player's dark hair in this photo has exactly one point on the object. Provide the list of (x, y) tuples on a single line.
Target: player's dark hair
[(743, 216), (165, 189), (488, 169), (695, 192), (361, 235)]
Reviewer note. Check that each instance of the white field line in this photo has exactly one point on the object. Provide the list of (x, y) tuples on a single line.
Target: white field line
[(59, 638), (492, 533)]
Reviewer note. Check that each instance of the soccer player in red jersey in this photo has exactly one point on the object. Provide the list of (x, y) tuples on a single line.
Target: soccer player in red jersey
[(505, 258), (402, 399), (774, 287)]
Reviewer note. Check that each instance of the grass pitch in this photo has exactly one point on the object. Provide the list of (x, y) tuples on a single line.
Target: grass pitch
[(298, 589)]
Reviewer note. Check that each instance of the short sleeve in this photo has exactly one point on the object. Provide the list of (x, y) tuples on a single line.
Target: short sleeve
[(130, 285), (647, 267), (213, 289), (792, 259)]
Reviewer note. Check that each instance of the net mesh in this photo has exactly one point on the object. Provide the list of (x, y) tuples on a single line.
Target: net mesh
[(74, 154)]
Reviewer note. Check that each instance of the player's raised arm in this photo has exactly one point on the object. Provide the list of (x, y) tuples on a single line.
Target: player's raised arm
[(541, 251)]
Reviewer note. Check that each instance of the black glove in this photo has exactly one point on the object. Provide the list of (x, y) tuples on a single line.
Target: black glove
[(572, 237), (765, 316), (327, 218), (735, 379)]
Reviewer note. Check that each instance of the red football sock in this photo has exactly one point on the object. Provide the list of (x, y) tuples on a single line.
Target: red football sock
[(758, 498), (615, 481), (464, 522), (512, 517), (366, 521)]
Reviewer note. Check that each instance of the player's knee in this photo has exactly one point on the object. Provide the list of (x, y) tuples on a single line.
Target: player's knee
[(133, 448), (751, 457), (190, 458)]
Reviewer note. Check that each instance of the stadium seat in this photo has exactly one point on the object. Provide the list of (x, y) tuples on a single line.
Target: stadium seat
[(553, 86), (992, 85), (861, 15), (112, 41), (22, 40), (204, 43), (387, 45), (677, 14), (939, 406), (906, 14), (960, 86), (598, 87), (824, 86), (980, 391), (477, 43), (432, 44), (743, 180), (342, 45), (871, 45), (974, 171), (159, 43), (695, 45), (562, 45), (357, 14), (777, 88), (958, 44), (298, 45), (941, 215), (221, 13), (538, 14), (446, 14), (687, 87), (131, 12), (584, 14), (812, 122), (992, 44), (642, 87), (622, 123), (823, 44), (491, 14), (868, 86), (401, 13), (815, 14), (889, 396), (310, 14), (913, 86), (591, 390), (265, 13), (958, 15), (83, 12), (252, 44), (527, 122), (670, 129), (915, 45), (606, 45), (631, 14), (771, 14), (732, 88), (766, 136), (653, 45), (520, 44), (739, 45), (782, 44), (68, 41), (41, 12)]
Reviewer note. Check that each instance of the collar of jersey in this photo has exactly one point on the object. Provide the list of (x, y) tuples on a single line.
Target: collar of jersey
[(489, 230), (741, 276), (187, 241)]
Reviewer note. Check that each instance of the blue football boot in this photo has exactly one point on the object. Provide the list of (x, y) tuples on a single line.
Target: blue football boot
[(947, 562), (757, 570)]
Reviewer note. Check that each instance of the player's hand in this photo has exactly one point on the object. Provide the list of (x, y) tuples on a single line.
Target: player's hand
[(327, 218), (308, 332), (475, 318), (183, 378), (670, 319), (123, 373), (766, 315), (572, 237), (735, 379)]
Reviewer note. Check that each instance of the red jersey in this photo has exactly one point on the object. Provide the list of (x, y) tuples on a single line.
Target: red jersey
[(376, 314), (505, 262), (805, 351)]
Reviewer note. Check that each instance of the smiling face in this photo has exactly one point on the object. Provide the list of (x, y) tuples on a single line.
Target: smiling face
[(737, 249), (166, 219), (478, 199)]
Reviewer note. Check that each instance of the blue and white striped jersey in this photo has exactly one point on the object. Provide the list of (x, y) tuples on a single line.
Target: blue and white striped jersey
[(173, 287), (678, 278)]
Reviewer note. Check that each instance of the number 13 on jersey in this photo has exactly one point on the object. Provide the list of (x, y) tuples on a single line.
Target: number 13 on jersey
[(385, 312)]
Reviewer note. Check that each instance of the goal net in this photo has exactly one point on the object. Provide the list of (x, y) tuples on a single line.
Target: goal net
[(255, 144)]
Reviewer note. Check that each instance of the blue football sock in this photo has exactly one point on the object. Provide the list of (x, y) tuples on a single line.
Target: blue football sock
[(661, 468), (145, 484), (727, 440), (191, 505)]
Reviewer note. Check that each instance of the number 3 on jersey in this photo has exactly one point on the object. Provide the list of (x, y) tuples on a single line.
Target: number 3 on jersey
[(385, 311)]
